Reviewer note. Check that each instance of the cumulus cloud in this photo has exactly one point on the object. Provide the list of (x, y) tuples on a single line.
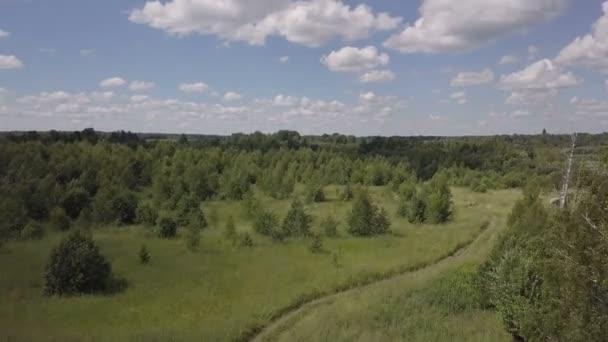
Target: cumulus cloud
[(590, 107), (446, 26), (537, 83), (376, 76), (508, 59), (459, 97), (471, 78), (10, 62), (310, 23), (4, 34), (352, 59), (284, 59), (112, 82), (232, 96), (139, 98), (198, 87), (591, 49), (540, 75), (141, 85)]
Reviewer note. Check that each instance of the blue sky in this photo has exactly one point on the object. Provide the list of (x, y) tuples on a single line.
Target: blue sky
[(316, 66)]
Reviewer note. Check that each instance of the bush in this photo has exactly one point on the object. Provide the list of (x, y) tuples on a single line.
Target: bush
[(147, 213), (266, 223), (193, 237), (167, 226), (245, 240), (230, 230), (77, 267), (125, 207), (416, 208), (74, 201), (58, 220), (144, 255), (329, 226), (32, 231), (316, 244), (347, 194), (365, 218), (298, 221)]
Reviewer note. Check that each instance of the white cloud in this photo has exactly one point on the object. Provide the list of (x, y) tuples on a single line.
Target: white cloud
[(112, 82), (198, 87), (10, 62), (141, 85), (284, 59), (376, 76), (86, 52), (232, 96), (537, 83), (471, 78), (590, 107), (533, 52), (139, 98), (460, 97), (446, 25), (310, 23), (508, 59), (4, 34), (352, 59), (540, 75), (591, 49), (520, 113)]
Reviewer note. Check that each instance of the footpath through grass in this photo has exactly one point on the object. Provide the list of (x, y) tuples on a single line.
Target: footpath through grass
[(221, 292)]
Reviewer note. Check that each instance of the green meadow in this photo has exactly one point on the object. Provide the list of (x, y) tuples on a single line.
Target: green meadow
[(226, 292)]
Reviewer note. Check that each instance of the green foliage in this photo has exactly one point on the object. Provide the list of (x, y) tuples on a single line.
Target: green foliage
[(298, 221), (75, 267), (455, 292), (439, 204), (314, 191), (167, 225), (58, 220), (347, 194), (546, 276), (193, 237), (32, 231), (415, 209), (230, 230), (245, 240), (147, 213), (143, 255), (365, 218), (316, 244), (266, 223), (329, 226), (251, 204), (75, 199)]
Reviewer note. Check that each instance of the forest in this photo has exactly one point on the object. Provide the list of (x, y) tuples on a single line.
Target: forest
[(128, 236)]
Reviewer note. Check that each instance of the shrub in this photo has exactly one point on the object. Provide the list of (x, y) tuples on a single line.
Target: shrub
[(329, 226), (298, 221), (167, 226), (193, 237), (245, 240), (230, 230), (32, 231), (58, 220), (77, 267), (365, 218), (144, 255), (74, 201), (266, 223), (125, 207), (416, 208), (346, 194), (316, 244), (147, 213)]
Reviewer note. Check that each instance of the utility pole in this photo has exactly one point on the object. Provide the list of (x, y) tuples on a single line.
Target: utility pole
[(563, 199)]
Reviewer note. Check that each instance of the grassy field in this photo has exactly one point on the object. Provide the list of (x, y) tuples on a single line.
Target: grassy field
[(436, 303), (223, 291)]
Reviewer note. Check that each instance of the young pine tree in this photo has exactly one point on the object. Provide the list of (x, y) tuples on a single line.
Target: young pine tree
[(230, 230), (298, 221)]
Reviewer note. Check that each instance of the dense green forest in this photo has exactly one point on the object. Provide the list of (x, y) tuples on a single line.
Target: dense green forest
[(546, 276)]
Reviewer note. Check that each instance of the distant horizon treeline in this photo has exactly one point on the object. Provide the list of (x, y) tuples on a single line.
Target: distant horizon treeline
[(60, 178)]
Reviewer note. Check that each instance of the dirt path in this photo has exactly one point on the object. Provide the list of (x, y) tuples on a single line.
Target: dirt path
[(279, 324)]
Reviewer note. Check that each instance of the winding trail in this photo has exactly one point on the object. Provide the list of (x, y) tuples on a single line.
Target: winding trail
[(279, 324)]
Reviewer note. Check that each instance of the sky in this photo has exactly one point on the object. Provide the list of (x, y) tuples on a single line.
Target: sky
[(369, 67)]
